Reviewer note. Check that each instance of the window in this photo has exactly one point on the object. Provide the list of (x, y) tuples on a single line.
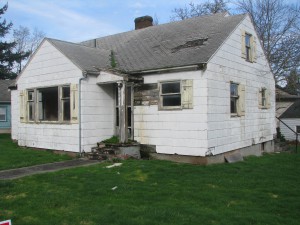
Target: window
[(234, 96), (171, 94), (248, 47), (30, 105), (237, 99), (51, 104), (3, 112), (298, 129), (176, 94), (264, 98), (66, 103)]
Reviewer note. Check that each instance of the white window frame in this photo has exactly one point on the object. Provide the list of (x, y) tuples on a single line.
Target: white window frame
[(161, 95), (5, 113)]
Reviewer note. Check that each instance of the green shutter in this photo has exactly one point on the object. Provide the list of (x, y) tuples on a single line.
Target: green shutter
[(187, 94), (74, 103)]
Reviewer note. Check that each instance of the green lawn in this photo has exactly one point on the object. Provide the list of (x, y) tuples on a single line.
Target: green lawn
[(260, 190), (12, 156)]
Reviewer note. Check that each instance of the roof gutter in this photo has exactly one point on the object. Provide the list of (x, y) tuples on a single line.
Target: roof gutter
[(201, 66)]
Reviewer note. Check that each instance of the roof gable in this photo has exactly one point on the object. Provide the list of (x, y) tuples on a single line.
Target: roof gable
[(86, 58), (293, 111)]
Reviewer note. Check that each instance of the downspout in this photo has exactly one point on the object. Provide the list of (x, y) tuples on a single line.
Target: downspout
[(84, 74)]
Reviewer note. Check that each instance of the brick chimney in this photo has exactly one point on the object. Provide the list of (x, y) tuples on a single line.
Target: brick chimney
[(143, 22)]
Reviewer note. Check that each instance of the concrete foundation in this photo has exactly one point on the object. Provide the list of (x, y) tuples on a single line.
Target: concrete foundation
[(5, 131), (255, 150)]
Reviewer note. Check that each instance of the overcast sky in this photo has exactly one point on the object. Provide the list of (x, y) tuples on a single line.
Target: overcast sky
[(78, 20)]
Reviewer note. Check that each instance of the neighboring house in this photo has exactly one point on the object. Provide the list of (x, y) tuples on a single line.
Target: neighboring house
[(197, 87), (5, 106), (283, 101), (291, 118)]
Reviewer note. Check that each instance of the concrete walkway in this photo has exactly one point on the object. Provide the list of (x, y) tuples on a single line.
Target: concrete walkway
[(44, 168)]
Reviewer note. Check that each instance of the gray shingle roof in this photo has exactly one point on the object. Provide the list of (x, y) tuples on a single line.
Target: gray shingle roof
[(86, 58), (182, 43), (293, 111), (4, 92), (188, 42)]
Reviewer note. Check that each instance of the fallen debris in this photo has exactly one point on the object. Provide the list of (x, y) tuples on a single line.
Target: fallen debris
[(114, 188), (114, 165)]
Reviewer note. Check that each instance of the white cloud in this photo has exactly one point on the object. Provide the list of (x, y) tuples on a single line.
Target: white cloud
[(70, 24)]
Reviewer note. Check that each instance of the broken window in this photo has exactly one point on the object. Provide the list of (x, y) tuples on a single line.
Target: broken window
[(49, 104), (3, 113)]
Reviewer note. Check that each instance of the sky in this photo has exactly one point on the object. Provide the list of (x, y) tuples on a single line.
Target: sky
[(79, 20)]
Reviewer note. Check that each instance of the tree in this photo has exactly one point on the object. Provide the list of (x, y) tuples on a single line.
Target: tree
[(278, 26), (26, 42), (293, 83), (7, 55), (194, 10)]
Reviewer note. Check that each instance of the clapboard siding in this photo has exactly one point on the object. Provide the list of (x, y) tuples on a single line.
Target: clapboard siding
[(47, 67), (181, 132), (97, 112), (286, 132), (227, 133)]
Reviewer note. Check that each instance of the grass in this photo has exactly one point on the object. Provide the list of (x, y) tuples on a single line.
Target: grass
[(260, 190), (12, 156)]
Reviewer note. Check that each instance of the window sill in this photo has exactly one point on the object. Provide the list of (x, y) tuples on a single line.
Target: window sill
[(170, 109), (49, 122)]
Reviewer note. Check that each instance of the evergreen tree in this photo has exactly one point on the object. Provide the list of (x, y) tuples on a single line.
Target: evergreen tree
[(7, 55)]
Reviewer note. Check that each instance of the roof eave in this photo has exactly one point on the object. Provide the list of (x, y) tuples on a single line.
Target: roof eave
[(193, 67)]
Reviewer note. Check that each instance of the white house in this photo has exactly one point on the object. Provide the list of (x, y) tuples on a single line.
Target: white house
[(191, 89), (290, 124)]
